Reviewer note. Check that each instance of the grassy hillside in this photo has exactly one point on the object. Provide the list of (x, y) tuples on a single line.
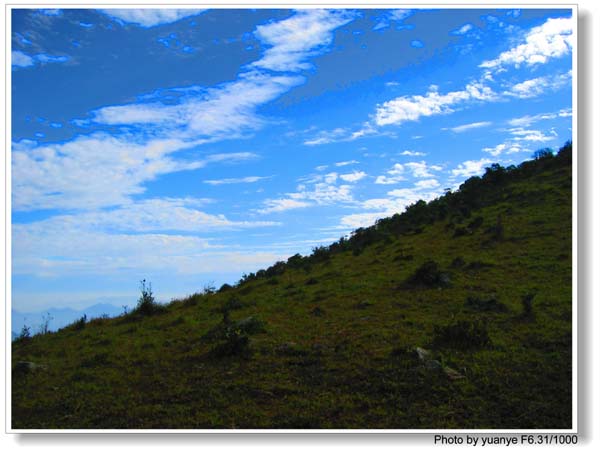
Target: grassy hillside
[(456, 314)]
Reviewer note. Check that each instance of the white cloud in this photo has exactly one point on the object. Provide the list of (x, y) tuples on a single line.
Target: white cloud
[(321, 168), (151, 17), (553, 39), (251, 179), (126, 238), (526, 121), (307, 33), (220, 112), (411, 108), (427, 184), (422, 169), (227, 110), (537, 86), (353, 177), (395, 175), (411, 153), (346, 163), (21, 59), (521, 134), (327, 137), (470, 126), (95, 171), (282, 204), (325, 194), (463, 30), (470, 168), (400, 14)]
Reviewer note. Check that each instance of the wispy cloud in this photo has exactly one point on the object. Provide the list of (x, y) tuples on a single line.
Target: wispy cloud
[(537, 86), (462, 30), (353, 177), (150, 17), (470, 126), (525, 121), (59, 175), (552, 39), (251, 179), (294, 40), (22, 60), (413, 107), (521, 134), (345, 163), (282, 204)]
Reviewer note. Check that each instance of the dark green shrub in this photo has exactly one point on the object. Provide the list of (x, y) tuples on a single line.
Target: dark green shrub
[(311, 281), (225, 287), (429, 275), (233, 344), (527, 303), (457, 262), (147, 304), (232, 304), (461, 231), (24, 335), (485, 305), (461, 335), (79, 324), (475, 223)]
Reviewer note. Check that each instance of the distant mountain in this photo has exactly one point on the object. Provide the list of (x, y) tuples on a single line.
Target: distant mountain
[(59, 317)]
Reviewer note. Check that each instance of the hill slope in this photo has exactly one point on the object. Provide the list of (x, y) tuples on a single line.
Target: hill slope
[(456, 314)]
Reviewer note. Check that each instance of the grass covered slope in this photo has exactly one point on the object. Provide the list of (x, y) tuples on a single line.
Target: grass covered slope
[(456, 314)]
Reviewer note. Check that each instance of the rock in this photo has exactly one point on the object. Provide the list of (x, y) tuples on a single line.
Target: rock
[(433, 364), (422, 354), (453, 374)]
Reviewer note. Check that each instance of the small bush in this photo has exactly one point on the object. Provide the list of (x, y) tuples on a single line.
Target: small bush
[(79, 324), (527, 303), (24, 335), (225, 287), (457, 262), (233, 344), (311, 281), (485, 305), (475, 223), (461, 231), (461, 335), (147, 304), (429, 275)]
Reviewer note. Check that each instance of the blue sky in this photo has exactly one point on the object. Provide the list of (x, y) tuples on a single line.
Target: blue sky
[(188, 147)]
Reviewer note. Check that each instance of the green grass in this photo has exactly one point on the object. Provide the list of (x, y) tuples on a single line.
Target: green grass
[(337, 348)]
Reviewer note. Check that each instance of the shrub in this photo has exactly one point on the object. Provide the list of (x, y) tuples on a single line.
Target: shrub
[(490, 304), (147, 304), (457, 262), (233, 338), (24, 335), (527, 303), (461, 335), (79, 324), (475, 223), (234, 343), (429, 275), (311, 281), (225, 287), (45, 325)]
